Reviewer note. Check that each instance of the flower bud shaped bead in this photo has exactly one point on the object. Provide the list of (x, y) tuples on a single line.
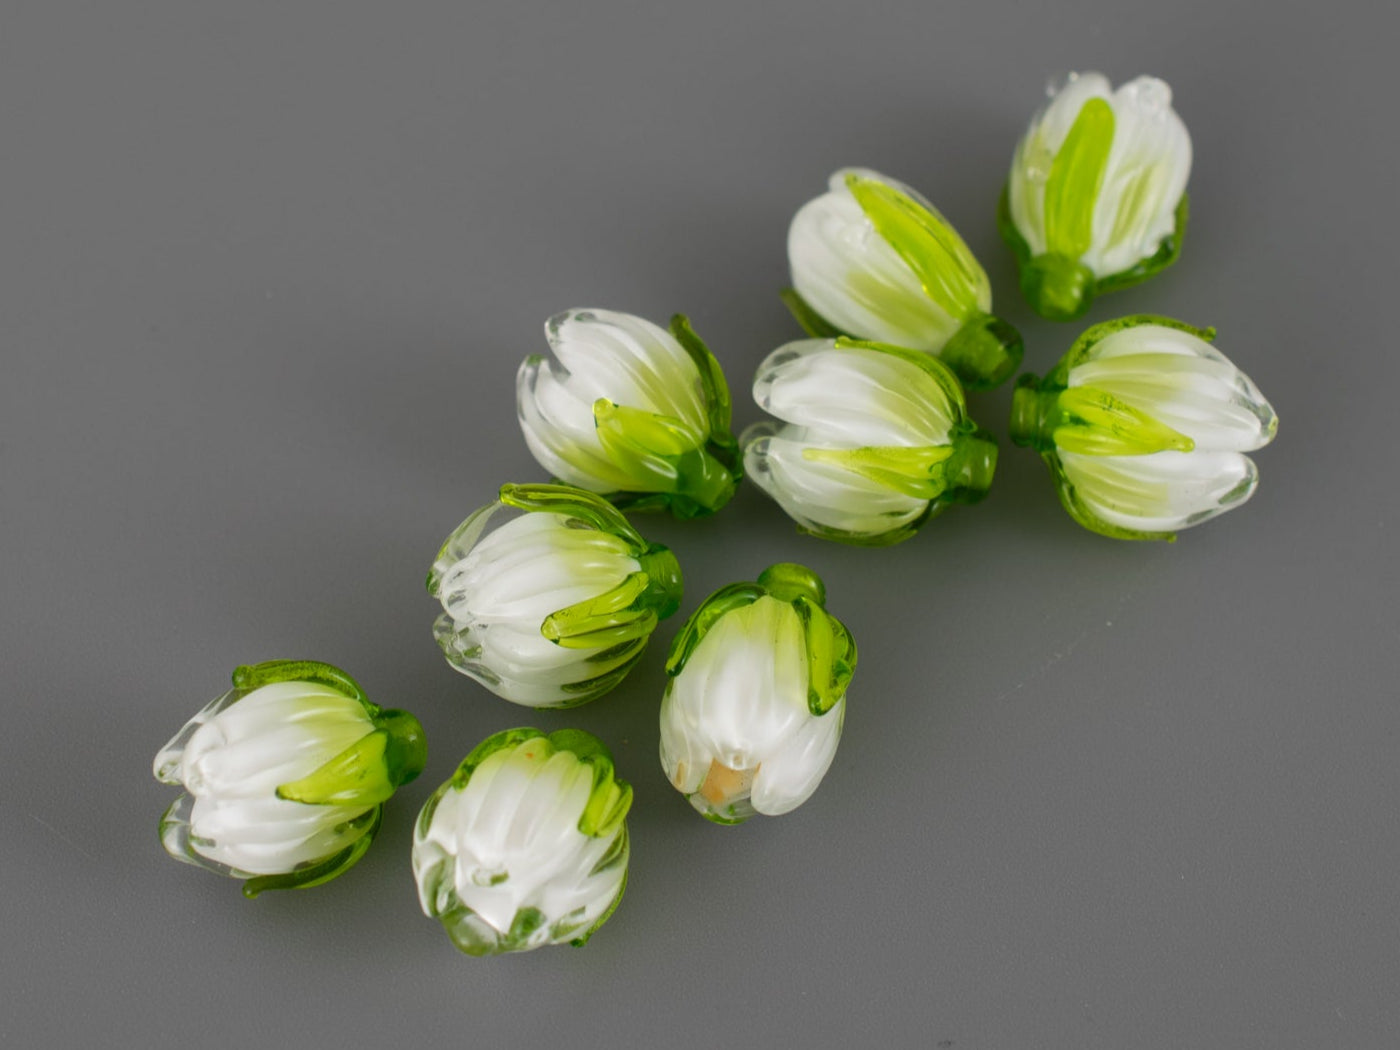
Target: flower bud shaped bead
[(873, 259), (526, 845), (757, 695), (549, 596), (285, 776), (1144, 425), (1096, 199), (630, 410), (875, 439)]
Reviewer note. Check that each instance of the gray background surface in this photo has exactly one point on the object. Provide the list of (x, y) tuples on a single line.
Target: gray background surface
[(266, 273)]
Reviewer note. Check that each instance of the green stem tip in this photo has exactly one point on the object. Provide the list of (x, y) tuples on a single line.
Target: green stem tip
[(984, 352), (1057, 287), (788, 581)]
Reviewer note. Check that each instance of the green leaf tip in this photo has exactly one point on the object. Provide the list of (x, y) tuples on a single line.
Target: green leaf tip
[(945, 267), (610, 797), (1076, 176), (253, 676), (588, 507)]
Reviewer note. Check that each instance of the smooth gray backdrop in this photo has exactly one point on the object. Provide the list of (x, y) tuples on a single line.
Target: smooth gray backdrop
[(266, 273)]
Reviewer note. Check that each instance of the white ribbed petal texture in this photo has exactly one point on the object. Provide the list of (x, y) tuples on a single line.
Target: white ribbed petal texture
[(1148, 166), (854, 279), (603, 354), (1161, 492), (833, 397), (1179, 380), (508, 842), (737, 736), (497, 588), (233, 763)]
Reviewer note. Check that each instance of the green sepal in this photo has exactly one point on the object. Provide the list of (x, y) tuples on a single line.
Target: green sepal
[(370, 770), (324, 871), (944, 266), (1076, 176), (681, 473), (630, 433), (684, 472), (254, 676), (960, 471), (610, 798), (587, 507), (356, 776), (913, 472), (733, 596), (719, 409), (811, 322), (831, 655), (1096, 423), (604, 620), (1168, 251)]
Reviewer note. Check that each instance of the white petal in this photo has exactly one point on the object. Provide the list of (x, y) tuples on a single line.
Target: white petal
[(531, 567), (1162, 492), (743, 692), (1182, 381), (822, 495), (629, 361), (277, 733), (1035, 153), (1148, 165), (788, 778), (852, 277), (511, 835), (520, 665), (853, 397), (270, 836), (560, 431), (684, 754)]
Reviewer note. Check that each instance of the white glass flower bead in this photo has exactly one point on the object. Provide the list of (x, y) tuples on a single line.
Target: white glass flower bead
[(1144, 425), (285, 775), (549, 596), (871, 258), (630, 410), (757, 695), (1096, 199), (875, 439), (526, 845)]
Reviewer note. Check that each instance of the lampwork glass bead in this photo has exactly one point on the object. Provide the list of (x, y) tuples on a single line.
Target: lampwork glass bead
[(285, 776)]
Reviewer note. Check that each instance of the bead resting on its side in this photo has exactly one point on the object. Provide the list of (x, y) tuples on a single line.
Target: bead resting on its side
[(526, 845), (873, 259), (875, 439), (1144, 426), (549, 595), (632, 411), (754, 707), (285, 775)]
